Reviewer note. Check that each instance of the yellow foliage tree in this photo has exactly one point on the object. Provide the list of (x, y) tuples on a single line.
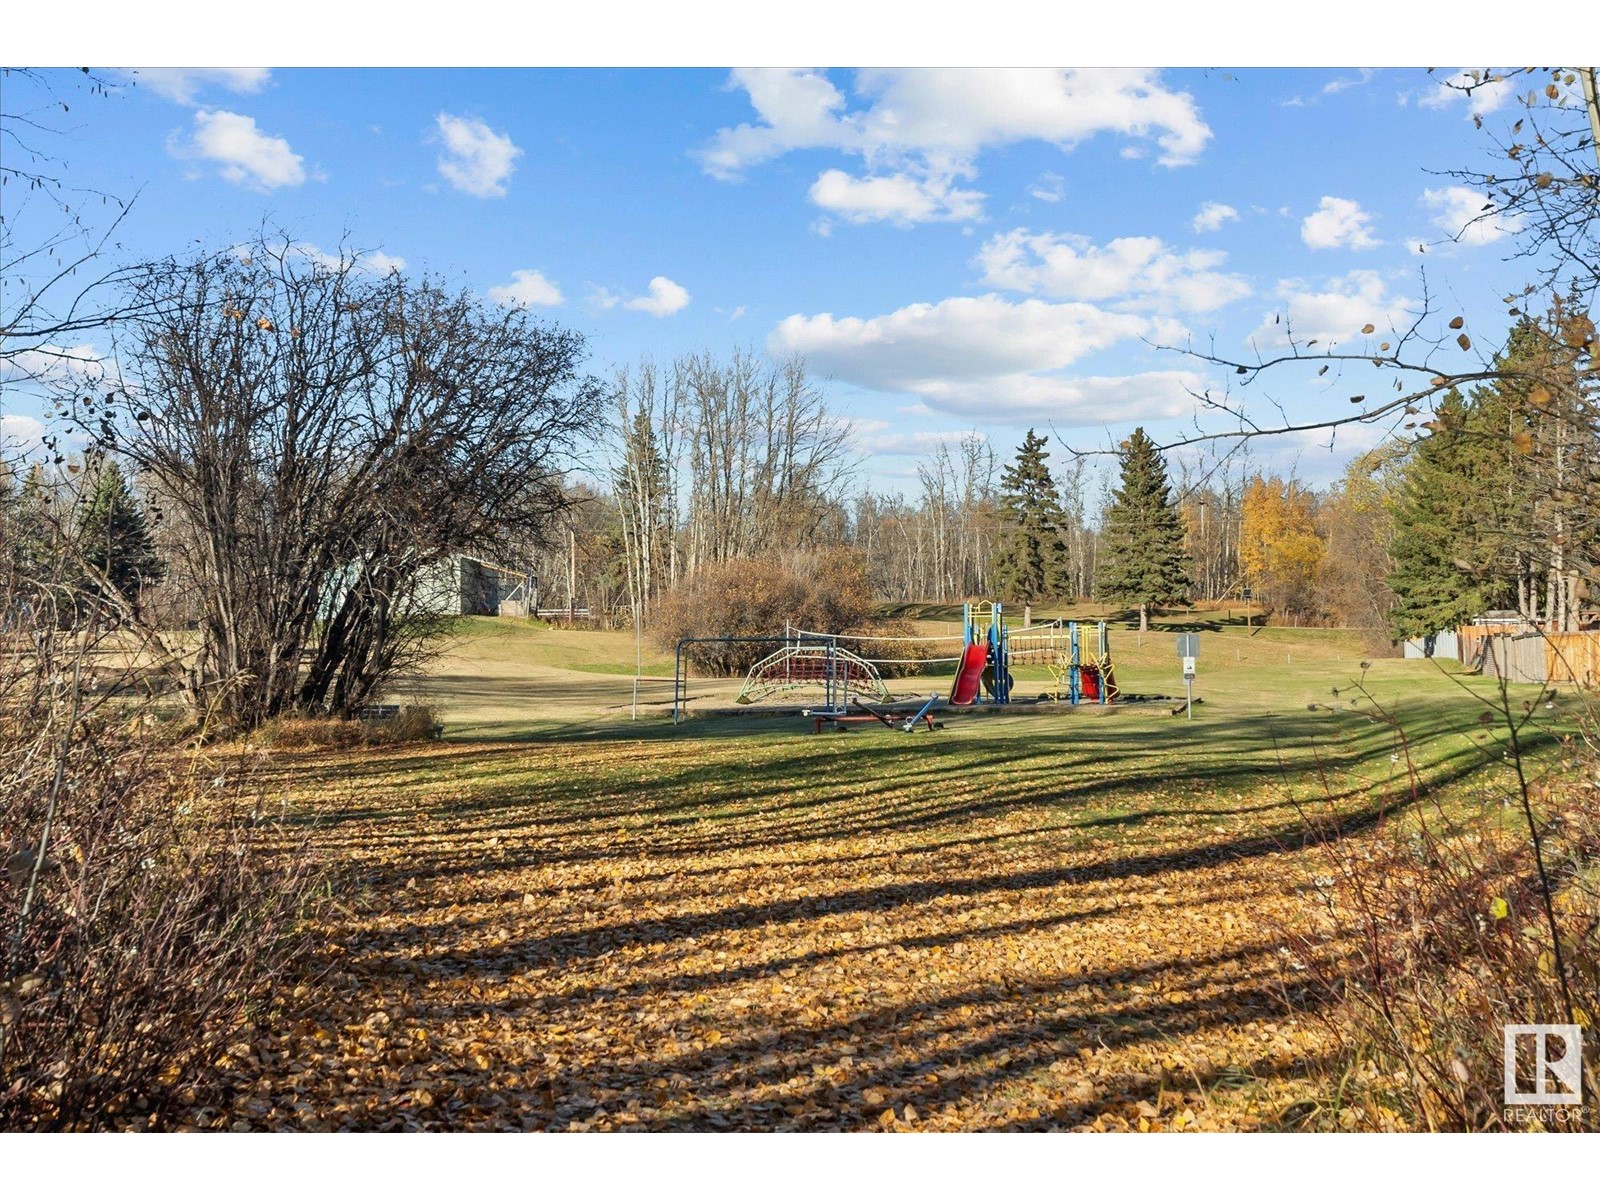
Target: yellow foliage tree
[(1280, 549)]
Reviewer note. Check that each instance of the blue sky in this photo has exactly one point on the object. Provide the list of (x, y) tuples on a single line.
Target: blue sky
[(952, 251)]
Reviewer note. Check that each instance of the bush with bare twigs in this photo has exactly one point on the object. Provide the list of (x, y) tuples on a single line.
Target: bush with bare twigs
[(1453, 923), (149, 903), (825, 592)]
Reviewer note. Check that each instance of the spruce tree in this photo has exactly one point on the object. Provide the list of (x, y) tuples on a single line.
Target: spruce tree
[(1493, 507), (31, 547), (1030, 559), (1438, 508), (114, 538), (1141, 539)]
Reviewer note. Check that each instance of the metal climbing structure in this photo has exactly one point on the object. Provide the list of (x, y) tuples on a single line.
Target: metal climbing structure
[(1082, 675), (837, 671)]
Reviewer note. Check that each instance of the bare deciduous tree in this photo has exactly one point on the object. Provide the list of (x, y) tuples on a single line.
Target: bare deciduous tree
[(324, 436)]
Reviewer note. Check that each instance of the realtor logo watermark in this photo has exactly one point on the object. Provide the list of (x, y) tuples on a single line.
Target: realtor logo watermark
[(1550, 1058)]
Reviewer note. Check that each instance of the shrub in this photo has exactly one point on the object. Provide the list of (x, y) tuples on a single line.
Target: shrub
[(311, 733), (825, 591), (1444, 922), (413, 723), (147, 905)]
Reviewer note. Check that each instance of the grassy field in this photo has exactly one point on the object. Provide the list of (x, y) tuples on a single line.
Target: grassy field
[(503, 678), (563, 919)]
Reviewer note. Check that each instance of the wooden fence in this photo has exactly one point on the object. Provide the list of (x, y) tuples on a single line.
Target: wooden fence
[(1573, 658), (1528, 656)]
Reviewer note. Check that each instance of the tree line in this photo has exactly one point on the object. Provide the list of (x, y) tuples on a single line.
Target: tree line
[(1486, 506), (290, 446)]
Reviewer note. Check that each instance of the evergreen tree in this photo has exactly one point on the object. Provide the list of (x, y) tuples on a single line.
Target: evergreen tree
[(31, 549), (1540, 457), (1495, 508), (1141, 541), (1438, 577), (1030, 560), (114, 538)]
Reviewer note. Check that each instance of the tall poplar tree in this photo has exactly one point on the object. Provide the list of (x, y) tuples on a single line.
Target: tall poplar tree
[(1031, 558), (1141, 540)]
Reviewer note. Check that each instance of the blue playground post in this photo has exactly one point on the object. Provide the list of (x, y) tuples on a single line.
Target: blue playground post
[(1104, 657), (1074, 676)]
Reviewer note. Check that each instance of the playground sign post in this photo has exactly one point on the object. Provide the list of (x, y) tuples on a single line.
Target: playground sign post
[(1188, 651)]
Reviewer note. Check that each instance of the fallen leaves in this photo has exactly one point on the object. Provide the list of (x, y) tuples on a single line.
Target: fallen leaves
[(764, 937)]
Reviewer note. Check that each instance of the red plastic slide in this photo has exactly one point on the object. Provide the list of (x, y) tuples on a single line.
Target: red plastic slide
[(969, 674)]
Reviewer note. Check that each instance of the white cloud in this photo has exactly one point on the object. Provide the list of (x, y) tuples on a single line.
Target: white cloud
[(901, 198), (18, 432), (1340, 310), (477, 160), (986, 356), (878, 437), (962, 337), (930, 126), (374, 262), (1050, 188), (1071, 401), (1445, 89), (380, 263), (1142, 271), (527, 289), (1468, 216), (183, 84), (53, 365), (243, 154), (1212, 216), (1344, 82), (1337, 223), (664, 299)]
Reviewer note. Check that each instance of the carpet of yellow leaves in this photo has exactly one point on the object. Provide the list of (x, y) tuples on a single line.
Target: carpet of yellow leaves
[(796, 933)]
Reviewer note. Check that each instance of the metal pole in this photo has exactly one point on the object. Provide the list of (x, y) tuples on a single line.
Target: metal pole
[(1188, 692)]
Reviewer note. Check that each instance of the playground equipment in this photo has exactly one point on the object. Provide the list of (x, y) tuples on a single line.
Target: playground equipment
[(839, 671), (993, 669), (680, 679), (1062, 649), (801, 660), (991, 647), (868, 713)]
